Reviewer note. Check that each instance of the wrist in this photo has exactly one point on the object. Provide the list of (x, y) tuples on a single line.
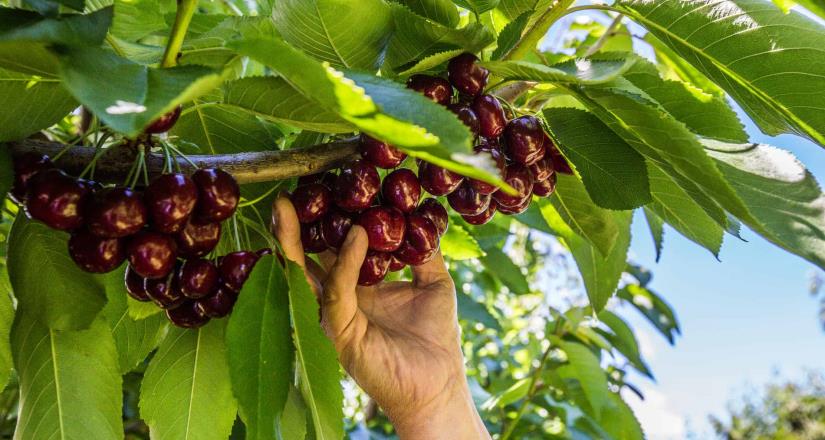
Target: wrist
[(451, 415)]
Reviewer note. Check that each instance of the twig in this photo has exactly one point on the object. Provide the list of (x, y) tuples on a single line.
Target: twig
[(186, 9), (605, 36)]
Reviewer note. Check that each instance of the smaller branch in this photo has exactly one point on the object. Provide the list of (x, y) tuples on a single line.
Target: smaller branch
[(531, 38), (186, 9), (531, 392), (609, 32)]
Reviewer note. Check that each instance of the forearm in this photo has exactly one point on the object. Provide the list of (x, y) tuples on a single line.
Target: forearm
[(451, 416)]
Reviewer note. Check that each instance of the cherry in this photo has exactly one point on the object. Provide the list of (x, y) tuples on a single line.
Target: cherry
[(311, 202), (467, 116), (401, 190), (484, 217), (491, 116), (94, 254), (312, 238), (467, 201), (560, 164), (466, 76), (235, 268), (219, 304), (198, 238), (334, 228), (152, 254), (25, 166), (495, 154), (380, 154), (433, 87), (187, 315), (197, 278), (542, 170), (325, 178), (115, 212), (218, 194), (56, 199), (162, 291), (135, 285), (356, 187), (516, 209), (435, 212), (385, 227), (524, 140), (544, 188), (164, 123), (170, 199), (518, 177), (374, 268), (420, 242), (436, 180), (396, 264)]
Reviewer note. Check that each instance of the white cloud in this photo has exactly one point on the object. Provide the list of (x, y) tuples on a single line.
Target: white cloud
[(659, 421)]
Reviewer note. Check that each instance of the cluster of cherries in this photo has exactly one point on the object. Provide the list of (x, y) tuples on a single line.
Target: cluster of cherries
[(402, 231)]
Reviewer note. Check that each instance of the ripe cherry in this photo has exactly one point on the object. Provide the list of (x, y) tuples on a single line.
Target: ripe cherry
[(374, 268), (162, 291), (518, 177), (326, 178), (467, 201), (312, 239), (135, 285), (436, 180), (187, 315), (380, 154), (218, 304), (197, 278), (541, 170), (152, 254), (401, 190), (433, 87), (524, 140), (435, 212), (56, 199), (218, 194), (468, 77), (396, 264), (356, 187), (420, 242), (545, 188), (235, 268), (198, 238), (497, 158), (170, 199), (484, 217), (560, 164), (334, 228), (516, 209), (467, 116), (94, 254), (385, 227), (115, 212), (25, 166), (165, 122), (311, 202), (490, 116)]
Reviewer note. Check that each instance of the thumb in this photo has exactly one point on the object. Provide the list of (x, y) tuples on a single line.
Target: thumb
[(340, 304)]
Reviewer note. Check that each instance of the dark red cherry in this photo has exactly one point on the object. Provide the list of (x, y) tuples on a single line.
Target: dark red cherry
[(433, 87), (115, 212), (135, 285), (187, 315), (545, 188), (25, 166), (433, 210), (218, 194), (560, 164), (436, 180), (326, 178), (396, 264), (312, 238), (524, 140), (380, 154), (235, 268), (170, 199), (356, 187), (401, 190), (497, 158), (518, 177), (491, 116), (56, 199), (152, 254), (198, 238), (466, 76), (516, 209), (467, 201), (467, 116), (484, 217), (542, 170), (218, 304), (385, 227), (94, 254), (163, 292), (311, 202), (334, 228), (197, 278), (267, 251), (164, 123), (374, 268), (420, 242)]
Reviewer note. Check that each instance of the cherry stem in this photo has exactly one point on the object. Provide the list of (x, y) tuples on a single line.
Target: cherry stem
[(186, 9)]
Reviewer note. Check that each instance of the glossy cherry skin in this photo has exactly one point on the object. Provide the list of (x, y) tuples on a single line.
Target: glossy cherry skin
[(524, 140), (401, 190), (187, 315), (197, 278), (436, 180), (542, 170), (135, 285), (164, 123), (466, 76), (498, 159), (374, 268), (218, 304), (56, 199), (484, 217), (467, 201), (94, 254), (311, 202), (385, 227), (218, 194), (433, 87), (115, 212), (198, 238), (560, 164), (25, 166), (170, 200), (491, 116), (312, 238), (152, 254), (356, 187), (545, 188), (467, 116), (433, 210), (516, 209), (162, 291), (326, 178), (235, 268), (420, 242), (334, 228), (396, 264), (380, 154), (518, 177)]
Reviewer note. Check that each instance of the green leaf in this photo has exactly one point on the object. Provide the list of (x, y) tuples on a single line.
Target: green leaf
[(259, 349), (434, 62), (29, 103), (135, 19), (6, 319), (38, 253), (219, 128), (613, 173), (501, 266), (583, 366), (477, 6), (510, 35), (657, 231), (574, 206), (138, 310), (623, 339), (815, 6), (293, 424), (766, 60), (578, 71), (440, 11), (513, 8), (128, 96), (680, 69), (186, 393), (619, 421), (474, 311), (653, 307), (350, 34), (534, 218), (513, 393), (457, 244), (69, 380), (317, 360)]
